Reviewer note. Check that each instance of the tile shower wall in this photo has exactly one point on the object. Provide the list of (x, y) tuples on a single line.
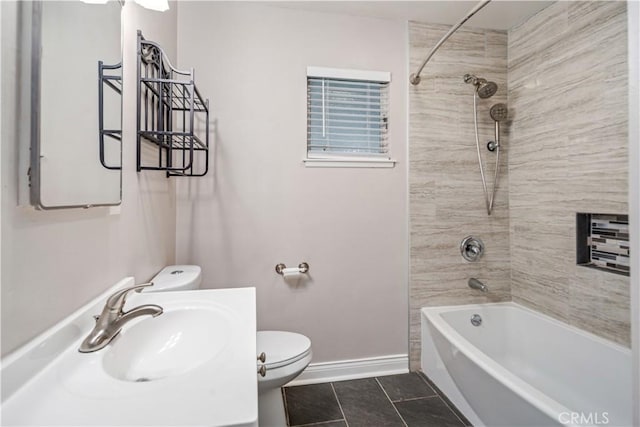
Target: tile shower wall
[(567, 154), (446, 196)]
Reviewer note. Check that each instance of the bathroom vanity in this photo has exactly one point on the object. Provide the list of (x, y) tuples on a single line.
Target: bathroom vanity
[(192, 365)]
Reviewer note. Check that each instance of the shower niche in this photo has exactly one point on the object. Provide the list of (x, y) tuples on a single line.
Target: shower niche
[(172, 116), (602, 242)]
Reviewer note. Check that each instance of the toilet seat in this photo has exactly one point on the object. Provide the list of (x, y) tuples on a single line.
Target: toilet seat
[(282, 348)]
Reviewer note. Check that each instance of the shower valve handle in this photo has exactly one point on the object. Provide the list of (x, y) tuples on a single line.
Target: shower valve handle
[(471, 248)]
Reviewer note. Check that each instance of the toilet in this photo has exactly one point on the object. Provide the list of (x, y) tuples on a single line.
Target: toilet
[(176, 278), (287, 354)]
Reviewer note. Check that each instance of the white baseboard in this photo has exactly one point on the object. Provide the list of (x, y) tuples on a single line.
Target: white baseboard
[(341, 370)]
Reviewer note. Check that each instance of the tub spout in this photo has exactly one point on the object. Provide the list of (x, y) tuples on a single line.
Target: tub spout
[(477, 284)]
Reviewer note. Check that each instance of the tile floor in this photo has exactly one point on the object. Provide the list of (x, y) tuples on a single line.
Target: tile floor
[(405, 400)]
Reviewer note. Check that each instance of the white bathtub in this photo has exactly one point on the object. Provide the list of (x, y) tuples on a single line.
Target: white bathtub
[(522, 368)]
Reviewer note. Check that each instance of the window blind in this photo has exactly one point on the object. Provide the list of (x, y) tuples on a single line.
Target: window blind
[(347, 117)]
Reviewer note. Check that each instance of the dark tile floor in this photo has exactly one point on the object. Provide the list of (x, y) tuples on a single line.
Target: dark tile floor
[(405, 400)]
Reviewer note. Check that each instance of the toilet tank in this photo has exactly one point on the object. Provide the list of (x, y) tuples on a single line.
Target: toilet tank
[(176, 278)]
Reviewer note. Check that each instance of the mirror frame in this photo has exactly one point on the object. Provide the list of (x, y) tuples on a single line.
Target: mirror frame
[(34, 172)]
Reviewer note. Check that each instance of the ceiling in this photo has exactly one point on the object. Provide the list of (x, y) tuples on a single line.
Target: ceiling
[(499, 14)]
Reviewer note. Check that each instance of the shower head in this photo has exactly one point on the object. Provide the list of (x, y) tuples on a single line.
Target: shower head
[(484, 88), (499, 112), (487, 89)]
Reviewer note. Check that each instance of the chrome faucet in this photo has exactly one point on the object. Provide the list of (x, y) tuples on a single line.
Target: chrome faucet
[(477, 284), (113, 318)]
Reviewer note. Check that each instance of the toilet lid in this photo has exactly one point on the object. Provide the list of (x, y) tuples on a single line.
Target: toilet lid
[(282, 347)]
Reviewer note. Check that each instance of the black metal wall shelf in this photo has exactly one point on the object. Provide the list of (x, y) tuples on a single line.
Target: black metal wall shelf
[(172, 116)]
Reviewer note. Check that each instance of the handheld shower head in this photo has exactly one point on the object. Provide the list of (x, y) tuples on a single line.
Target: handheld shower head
[(499, 112), (486, 89)]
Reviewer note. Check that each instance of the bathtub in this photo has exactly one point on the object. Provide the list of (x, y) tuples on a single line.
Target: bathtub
[(522, 368)]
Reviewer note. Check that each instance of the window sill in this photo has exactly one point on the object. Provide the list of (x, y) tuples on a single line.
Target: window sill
[(349, 163)]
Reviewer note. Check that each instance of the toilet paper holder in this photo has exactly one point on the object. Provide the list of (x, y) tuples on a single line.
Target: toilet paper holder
[(303, 267)]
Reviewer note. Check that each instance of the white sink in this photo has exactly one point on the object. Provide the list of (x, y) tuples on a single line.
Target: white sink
[(194, 365), (176, 342)]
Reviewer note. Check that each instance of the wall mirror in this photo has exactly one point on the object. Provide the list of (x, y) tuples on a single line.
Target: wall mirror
[(76, 104)]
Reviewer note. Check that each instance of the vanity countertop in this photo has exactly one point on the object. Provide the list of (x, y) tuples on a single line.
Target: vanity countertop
[(48, 382)]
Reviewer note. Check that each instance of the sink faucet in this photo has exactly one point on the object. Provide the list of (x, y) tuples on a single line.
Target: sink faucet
[(477, 284), (113, 318)]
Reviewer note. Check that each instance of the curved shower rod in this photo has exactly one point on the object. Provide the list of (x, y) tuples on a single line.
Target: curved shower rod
[(415, 77)]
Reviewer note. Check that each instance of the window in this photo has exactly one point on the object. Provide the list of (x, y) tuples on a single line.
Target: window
[(347, 118)]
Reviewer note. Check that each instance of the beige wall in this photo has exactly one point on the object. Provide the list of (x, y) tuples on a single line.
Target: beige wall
[(260, 206), (445, 190), (54, 262), (568, 153)]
